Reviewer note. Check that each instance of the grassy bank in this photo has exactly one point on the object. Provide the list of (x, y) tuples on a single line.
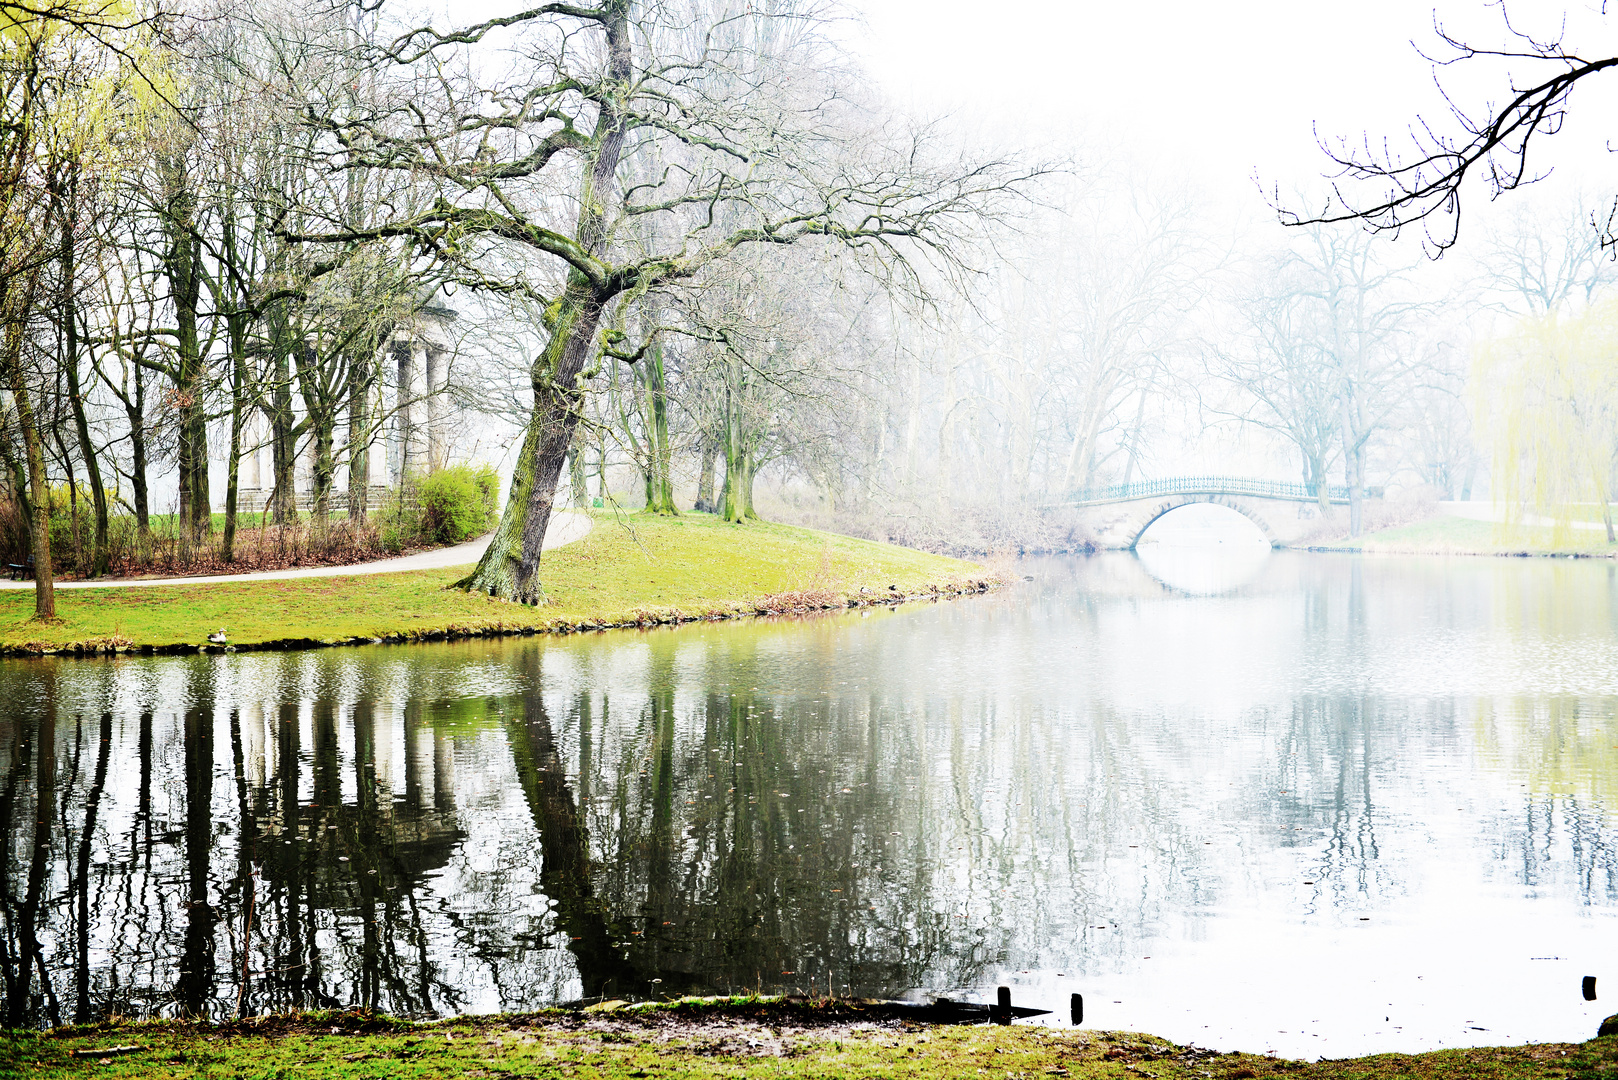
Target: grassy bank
[(733, 1040), (628, 570), (1446, 535)]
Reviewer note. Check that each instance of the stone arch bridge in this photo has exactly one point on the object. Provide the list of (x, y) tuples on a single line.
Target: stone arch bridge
[(1117, 515)]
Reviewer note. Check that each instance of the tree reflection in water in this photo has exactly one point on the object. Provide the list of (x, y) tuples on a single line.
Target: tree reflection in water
[(818, 805)]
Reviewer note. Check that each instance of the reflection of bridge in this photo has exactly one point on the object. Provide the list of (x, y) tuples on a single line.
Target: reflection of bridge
[(1119, 513)]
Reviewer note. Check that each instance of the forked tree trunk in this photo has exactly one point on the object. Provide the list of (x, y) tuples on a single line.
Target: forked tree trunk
[(16, 330), (660, 463), (737, 499), (101, 553)]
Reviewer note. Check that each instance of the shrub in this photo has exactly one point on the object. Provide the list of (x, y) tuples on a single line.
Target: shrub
[(398, 521), (457, 503)]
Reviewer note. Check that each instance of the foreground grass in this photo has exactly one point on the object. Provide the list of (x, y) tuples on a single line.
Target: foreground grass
[(629, 569), (1462, 536), (734, 1040)]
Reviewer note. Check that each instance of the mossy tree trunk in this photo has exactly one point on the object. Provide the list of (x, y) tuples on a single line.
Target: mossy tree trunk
[(736, 500), (736, 503), (705, 502), (232, 298), (660, 459), (316, 378), (510, 567)]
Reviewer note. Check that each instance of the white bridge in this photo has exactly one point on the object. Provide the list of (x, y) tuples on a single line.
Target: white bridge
[(1117, 515)]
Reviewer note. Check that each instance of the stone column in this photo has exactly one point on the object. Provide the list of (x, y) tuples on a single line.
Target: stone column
[(250, 483), (401, 459), (377, 461), (437, 379)]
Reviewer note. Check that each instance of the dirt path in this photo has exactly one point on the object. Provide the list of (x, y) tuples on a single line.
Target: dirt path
[(566, 526)]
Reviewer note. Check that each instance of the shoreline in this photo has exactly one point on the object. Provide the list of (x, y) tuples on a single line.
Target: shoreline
[(1450, 534), (102, 648), (631, 572), (1344, 549), (719, 1037)]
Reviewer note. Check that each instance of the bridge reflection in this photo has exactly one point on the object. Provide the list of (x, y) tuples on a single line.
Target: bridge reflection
[(1201, 571)]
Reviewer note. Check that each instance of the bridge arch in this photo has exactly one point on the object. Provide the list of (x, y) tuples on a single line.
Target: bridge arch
[(1118, 514), (1137, 528)]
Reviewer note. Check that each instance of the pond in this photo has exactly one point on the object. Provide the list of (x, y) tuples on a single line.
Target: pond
[(1315, 804)]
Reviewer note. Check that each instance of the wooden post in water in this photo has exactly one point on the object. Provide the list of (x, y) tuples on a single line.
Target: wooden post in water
[(1002, 1010), (1077, 1009), (1589, 988)]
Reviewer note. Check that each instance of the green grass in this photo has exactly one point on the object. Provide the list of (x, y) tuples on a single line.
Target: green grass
[(1463, 536), (245, 519), (745, 1040), (631, 568)]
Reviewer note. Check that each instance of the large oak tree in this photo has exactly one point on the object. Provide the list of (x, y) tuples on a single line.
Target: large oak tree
[(620, 148)]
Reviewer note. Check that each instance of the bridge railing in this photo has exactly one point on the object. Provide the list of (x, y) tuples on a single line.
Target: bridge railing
[(1202, 485)]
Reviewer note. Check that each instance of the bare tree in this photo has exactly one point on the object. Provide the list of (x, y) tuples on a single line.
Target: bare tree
[(1493, 142), (1545, 260), (1282, 378), (745, 129), (1330, 354)]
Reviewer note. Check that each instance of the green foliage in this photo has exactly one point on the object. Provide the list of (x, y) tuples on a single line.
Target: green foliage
[(447, 506), (398, 521), (1548, 392), (457, 503)]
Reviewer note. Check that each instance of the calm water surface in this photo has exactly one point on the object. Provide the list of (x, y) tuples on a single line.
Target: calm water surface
[(1315, 804)]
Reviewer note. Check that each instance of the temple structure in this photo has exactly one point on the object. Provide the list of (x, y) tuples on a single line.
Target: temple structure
[(409, 419)]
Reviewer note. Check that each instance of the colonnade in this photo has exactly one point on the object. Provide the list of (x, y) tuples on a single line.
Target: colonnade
[(409, 417)]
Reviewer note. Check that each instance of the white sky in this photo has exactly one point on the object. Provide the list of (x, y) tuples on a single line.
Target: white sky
[(1219, 89)]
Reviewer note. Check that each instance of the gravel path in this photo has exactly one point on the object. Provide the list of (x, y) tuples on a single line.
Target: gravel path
[(566, 526)]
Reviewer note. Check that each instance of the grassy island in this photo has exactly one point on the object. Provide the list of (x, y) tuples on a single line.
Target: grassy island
[(728, 1038), (630, 570)]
